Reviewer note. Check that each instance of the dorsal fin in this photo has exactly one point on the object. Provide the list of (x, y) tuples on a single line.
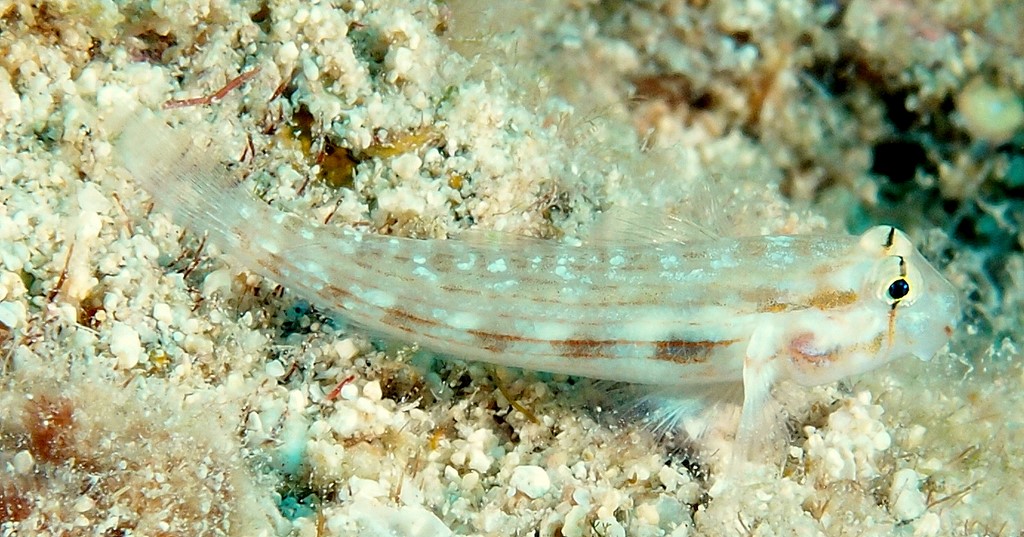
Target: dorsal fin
[(647, 224)]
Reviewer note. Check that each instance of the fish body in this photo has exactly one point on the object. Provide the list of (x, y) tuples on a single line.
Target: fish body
[(810, 308)]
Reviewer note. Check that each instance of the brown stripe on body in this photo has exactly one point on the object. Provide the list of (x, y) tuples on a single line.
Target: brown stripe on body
[(764, 299), (434, 258), (396, 314), (404, 321), (688, 352), (874, 346), (804, 246), (585, 348), (774, 306), (242, 236), (831, 299), (495, 343), (383, 267), (755, 249), (442, 262), (825, 268), (768, 300), (801, 348), (677, 351), (365, 263), (337, 293), (272, 263)]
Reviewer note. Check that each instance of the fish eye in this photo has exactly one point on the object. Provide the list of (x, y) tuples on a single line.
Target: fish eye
[(898, 289)]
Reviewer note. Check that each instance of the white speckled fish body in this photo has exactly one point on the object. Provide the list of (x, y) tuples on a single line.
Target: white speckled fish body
[(757, 309)]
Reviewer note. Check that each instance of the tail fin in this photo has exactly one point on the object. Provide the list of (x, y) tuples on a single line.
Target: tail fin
[(186, 179)]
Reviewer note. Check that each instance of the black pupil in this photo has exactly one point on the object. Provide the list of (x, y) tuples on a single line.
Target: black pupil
[(898, 289)]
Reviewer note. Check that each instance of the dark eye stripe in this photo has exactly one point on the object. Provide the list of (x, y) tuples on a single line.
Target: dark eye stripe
[(890, 238)]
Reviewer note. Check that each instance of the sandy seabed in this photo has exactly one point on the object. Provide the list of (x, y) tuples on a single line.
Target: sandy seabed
[(152, 387)]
